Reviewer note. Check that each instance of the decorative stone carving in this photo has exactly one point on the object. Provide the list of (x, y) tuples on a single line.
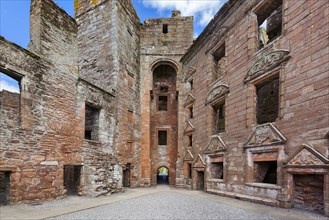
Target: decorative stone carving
[(217, 93), (188, 156), (266, 63), (189, 74), (215, 144), (199, 162), (264, 135), (189, 99), (189, 128), (306, 156)]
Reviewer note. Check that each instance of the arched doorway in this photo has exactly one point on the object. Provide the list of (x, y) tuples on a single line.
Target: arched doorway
[(163, 176)]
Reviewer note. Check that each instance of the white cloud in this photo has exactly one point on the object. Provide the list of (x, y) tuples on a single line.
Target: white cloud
[(202, 10), (6, 86)]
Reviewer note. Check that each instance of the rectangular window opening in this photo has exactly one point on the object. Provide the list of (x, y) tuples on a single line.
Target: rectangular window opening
[(267, 101), (191, 111), (217, 170), (191, 84), (91, 122), (162, 137), (269, 20), (165, 28), (189, 170), (265, 172), (163, 103), (219, 118), (219, 61)]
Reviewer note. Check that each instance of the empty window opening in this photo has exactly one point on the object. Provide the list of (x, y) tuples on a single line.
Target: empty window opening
[(190, 140), (217, 170), (163, 176), (267, 101), (219, 61), (219, 118), (10, 97), (72, 179), (190, 112), (265, 172), (163, 103), (163, 89), (308, 192), (165, 28), (4, 188), (91, 122), (162, 138), (269, 22)]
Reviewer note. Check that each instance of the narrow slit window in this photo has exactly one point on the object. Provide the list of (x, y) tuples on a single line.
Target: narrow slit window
[(190, 141), (162, 138), (219, 118), (165, 28)]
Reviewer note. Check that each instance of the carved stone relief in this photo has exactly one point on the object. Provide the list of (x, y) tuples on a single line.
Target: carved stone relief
[(190, 73), (199, 162), (189, 128), (266, 134), (215, 144), (266, 63), (217, 93), (307, 156), (188, 156), (189, 99)]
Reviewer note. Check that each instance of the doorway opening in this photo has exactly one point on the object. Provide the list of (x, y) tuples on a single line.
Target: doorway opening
[(126, 176), (163, 176), (72, 179), (4, 188), (200, 180)]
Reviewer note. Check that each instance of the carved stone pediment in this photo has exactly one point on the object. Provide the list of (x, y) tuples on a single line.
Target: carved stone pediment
[(199, 162), (189, 128), (189, 99), (266, 63), (306, 156), (190, 72), (265, 135), (215, 144), (188, 156), (217, 93)]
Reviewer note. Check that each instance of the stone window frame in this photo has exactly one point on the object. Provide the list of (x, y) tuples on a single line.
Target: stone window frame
[(263, 152), (251, 109), (263, 5), (158, 103), (221, 47), (215, 158), (218, 99), (98, 109), (157, 136)]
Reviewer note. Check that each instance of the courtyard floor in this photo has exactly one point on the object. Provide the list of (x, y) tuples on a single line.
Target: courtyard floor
[(160, 202)]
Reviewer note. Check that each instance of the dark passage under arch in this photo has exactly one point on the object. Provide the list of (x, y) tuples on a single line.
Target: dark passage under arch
[(163, 176)]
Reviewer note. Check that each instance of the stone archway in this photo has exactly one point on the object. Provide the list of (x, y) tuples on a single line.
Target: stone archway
[(163, 176)]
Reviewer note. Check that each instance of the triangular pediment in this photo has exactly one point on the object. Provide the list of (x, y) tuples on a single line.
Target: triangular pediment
[(264, 135), (215, 144), (189, 128), (306, 156), (189, 99), (188, 156), (199, 162), (217, 93)]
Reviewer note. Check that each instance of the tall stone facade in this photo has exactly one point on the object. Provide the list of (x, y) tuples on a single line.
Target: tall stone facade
[(106, 102)]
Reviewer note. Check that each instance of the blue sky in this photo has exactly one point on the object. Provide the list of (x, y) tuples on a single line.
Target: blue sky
[(14, 18)]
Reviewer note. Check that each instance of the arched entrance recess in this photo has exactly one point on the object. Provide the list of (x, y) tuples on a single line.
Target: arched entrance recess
[(163, 176)]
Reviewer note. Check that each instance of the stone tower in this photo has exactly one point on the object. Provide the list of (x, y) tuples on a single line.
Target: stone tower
[(163, 42)]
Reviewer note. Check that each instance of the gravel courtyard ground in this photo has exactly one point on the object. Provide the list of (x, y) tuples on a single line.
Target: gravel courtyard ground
[(152, 203)]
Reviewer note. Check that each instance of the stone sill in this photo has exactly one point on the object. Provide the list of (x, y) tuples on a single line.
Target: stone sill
[(92, 141), (264, 185), (216, 180)]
